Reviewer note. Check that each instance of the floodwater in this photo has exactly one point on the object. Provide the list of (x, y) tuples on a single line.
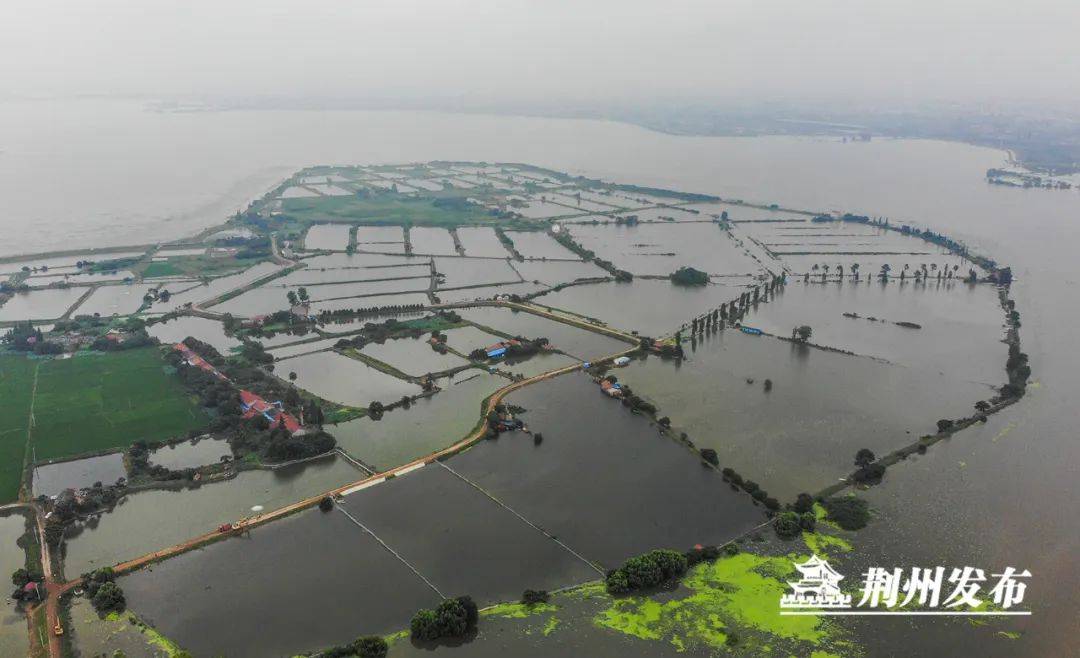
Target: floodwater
[(379, 301), (481, 241), (365, 234), (413, 356), (119, 191), (486, 292), (51, 479), (330, 582), (603, 480), (427, 240), (191, 454), (461, 540), (347, 381), (660, 249), (469, 338), (653, 307), (429, 424), (296, 349), (474, 271), (149, 520), (218, 286), (13, 631), (334, 237), (46, 304), (119, 300), (93, 636), (555, 272), (208, 331), (961, 324), (579, 343), (823, 407), (538, 244)]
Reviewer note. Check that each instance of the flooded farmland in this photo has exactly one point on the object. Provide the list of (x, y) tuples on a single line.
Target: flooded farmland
[(821, 409), (576, 342), (1007, 471), (429, 424), (208, 331), (51, 479), (217, 594), (13, 637), (603, 480), (463, 541), (624, 306), (46, 304), (959, 325), (134, 527), (344, 380), (191, 454), (413, 356)]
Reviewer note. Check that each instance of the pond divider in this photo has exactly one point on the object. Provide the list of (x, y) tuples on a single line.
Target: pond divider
[(391, 551), (523, 519)]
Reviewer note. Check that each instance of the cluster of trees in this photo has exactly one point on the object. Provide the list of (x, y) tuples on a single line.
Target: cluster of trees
[(535, 596), (870, 471), (564, 238), (849, 512), (104, 594), (802, 333), (688, 276), (390, 309), (285, 447), (749, 486), (452, 618), (257, 247), (789, 525), (23, 337), (130, 341), (368, 646), (298, 296), (138, 459), (275, 442), (508, 242), (647, 570), (737, 308), (633, 401), (22, 577)]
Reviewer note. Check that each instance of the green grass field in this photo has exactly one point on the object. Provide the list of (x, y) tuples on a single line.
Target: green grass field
[(94, 402), (85, 404), (16, 386)]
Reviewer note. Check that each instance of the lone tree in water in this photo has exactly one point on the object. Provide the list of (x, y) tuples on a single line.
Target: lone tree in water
[(802, 333), (864, 457)]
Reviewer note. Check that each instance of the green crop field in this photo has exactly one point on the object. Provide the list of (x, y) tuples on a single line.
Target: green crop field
[(98, 401), (16, 387), (87, 403)]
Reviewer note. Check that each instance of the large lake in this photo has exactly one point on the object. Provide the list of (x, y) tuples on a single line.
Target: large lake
[(93, 173)]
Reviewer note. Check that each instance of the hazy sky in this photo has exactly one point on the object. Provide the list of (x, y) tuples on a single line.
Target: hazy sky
[(547, 50)]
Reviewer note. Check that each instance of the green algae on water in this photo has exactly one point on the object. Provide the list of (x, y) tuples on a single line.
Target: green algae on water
[(734, 596)]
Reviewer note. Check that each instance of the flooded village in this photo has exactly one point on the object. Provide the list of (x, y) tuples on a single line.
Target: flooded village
[(477, 408)]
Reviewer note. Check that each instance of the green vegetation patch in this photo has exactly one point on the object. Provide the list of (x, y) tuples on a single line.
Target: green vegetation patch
[(193, 266), (517, 610), (16, 393), (384, 209), (734, 600), (95, 402)]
